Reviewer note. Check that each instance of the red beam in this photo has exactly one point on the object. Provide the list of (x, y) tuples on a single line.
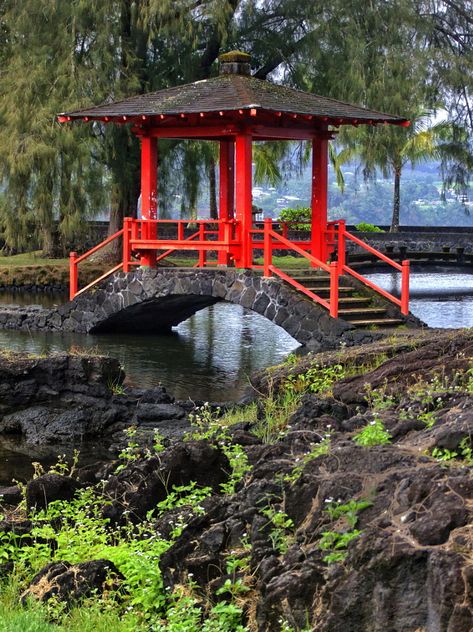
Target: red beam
[(194, 131), (282, 133)]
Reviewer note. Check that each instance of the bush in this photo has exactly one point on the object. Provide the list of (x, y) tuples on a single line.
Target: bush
[(302, 217), (364, 227)]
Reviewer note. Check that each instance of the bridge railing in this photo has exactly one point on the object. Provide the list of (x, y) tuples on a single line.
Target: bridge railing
[(272, 240), (209, 235), (343, 235), (74, 262)]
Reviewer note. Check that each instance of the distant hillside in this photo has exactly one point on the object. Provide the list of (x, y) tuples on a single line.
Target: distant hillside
[(421, 198)]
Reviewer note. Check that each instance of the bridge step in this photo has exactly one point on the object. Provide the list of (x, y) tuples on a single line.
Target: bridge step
[(326, 290), (378, 322), (356, 313), (355, 310), (354, 300)]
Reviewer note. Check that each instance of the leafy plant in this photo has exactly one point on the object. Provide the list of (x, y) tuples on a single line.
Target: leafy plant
[(336, 543), (239, 466), (279, 523), (315, 380), (318, 449), (374, 433), (464, 451), (349, 511)]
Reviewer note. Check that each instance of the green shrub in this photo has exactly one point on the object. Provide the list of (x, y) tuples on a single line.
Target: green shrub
[(364, 227), (302, 217)]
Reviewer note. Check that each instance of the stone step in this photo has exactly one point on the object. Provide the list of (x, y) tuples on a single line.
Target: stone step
[(378, 322)]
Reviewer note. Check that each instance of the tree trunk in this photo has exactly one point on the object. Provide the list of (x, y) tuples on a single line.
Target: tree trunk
[(213, 190), (396, 200)]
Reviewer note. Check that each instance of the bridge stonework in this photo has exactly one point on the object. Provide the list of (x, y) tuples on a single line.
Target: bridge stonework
[(154, 300)]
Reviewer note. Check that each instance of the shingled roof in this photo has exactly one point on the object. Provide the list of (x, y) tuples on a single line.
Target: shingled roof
[(230, 92)]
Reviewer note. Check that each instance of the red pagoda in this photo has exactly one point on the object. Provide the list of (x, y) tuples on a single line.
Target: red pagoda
[(236, 109)]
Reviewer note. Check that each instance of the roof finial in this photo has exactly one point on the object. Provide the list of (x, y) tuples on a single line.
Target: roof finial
[(236, 62)]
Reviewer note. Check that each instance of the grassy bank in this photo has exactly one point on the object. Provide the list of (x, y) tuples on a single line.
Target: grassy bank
[(32, 268)]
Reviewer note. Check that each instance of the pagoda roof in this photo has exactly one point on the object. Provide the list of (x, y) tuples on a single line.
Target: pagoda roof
[(233, 92)]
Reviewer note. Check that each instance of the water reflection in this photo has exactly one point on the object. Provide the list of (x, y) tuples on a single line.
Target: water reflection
[(210, 356)]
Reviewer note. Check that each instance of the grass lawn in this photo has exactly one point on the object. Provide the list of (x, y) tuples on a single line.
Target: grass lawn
[(285, 263), (31, 259)]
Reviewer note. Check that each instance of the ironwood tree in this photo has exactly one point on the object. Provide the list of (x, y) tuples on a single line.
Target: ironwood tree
[(395, 56)]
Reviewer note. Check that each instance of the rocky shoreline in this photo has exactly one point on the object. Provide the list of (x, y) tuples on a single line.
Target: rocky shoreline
[(353, 512)]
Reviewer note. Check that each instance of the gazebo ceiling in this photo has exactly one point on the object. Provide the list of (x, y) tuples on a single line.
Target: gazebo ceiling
[(230, 95)]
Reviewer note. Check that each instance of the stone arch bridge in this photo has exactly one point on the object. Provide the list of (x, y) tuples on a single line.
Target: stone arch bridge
[(149, 300)]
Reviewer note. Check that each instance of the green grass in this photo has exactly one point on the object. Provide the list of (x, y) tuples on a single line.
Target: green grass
[(34, 258), (279, 262)]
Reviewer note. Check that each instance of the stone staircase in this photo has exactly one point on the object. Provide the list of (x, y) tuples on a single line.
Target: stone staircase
[(356, 310)]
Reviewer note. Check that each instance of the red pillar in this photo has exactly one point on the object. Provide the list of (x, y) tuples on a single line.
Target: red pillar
[(227, 190), (149, 193), (319, 196), (243, 201)]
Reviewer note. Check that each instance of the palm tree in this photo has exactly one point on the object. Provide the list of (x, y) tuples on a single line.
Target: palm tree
[(391, 149)]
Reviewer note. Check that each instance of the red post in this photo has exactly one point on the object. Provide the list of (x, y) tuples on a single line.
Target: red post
[(226, 191), (405, 288), (334, 289), (149, 193), (180, 231), (319, 196), (268, 247), (244, 175), (342, 256), (73, 275), (202, 253), (126, 243)]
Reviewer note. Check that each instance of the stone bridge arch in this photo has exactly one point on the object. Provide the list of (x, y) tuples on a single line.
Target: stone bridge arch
[(154, 300)]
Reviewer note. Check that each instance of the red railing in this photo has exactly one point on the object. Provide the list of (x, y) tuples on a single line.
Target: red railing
[(143, 238), (403, 268), (273, 240), (74, 261)]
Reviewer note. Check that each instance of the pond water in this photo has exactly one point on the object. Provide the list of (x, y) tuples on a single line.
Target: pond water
[(439, 298), (210, 356)]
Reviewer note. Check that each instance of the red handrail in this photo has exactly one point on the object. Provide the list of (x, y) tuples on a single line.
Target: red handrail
[(74, 261), (269, 237), (404, 268)]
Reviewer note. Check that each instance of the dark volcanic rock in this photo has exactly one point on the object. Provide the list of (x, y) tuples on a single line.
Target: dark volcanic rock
[(73, 582), (66, 398), (45, 489), (141, 485)]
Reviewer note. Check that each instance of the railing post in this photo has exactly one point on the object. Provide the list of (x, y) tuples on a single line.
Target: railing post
[(126, 244), (285, 229), (202, 253), (180, 230), (405, 288), (268, 247), (334, 289), (341, 254), (73, 275)]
